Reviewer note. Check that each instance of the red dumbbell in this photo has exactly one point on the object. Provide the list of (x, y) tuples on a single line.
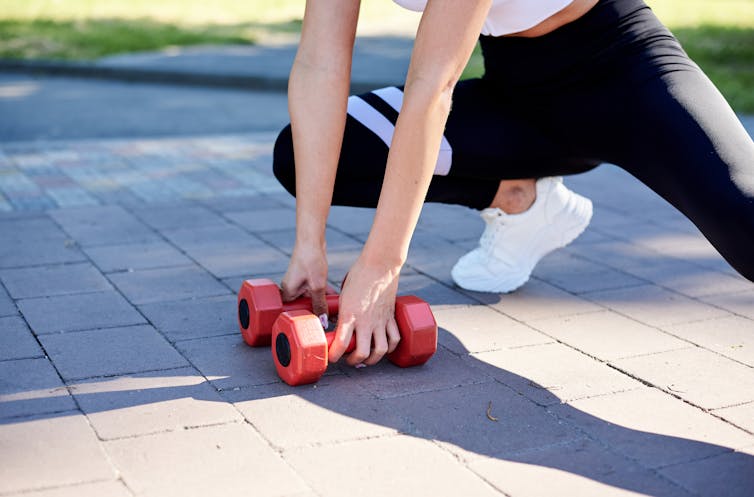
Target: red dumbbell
[(300, 345), (260, 303)]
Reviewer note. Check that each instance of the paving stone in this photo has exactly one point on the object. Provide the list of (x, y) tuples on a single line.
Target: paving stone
[(577, 275), (16, 340), (264, 220), (399, 465), (730, 336), (148, 255), (194, 462), (540, 300), (50, 452), (187, 215), (737, 303), (7, 307), (48, 281), (730, 474), (145, 286), (480, 328), (103, 225), (31, 386), (452, 222), (577, 468), (30, 229), (196, 318), (742, 415), (256, 201), (434, 256), (699, 376), (552, 373), (336, 241), (653, 428), (354, 220), (444, 370), (229, 363), (20, 253), (146, 403), (220, 235), (607, 335), (225, 261), (458, 420), (654, 306), (96, 489), (78, 312), (110, 352), (333, 410), (436, 294)]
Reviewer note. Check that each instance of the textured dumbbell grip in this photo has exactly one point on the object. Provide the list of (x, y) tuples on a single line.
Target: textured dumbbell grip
[(305, 304), (330, 336)]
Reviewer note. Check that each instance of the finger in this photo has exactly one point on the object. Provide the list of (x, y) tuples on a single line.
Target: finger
[(319, 302), (393, 335), (342, 338), (363, 345), (379, 348), (290, 292)]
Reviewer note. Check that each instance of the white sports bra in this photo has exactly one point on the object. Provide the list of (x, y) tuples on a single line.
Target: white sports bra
[(507, 16)]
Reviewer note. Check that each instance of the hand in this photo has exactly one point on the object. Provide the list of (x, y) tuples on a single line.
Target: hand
[(307, 276), (367, 308)]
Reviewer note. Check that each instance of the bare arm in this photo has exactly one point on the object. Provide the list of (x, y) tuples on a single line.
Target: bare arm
[(445, 39), (317, 99)]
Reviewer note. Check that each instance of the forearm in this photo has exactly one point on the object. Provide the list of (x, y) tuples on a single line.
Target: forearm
[(317, 100)]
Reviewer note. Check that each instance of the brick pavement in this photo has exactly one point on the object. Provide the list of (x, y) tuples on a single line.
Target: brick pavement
[(625, 367)]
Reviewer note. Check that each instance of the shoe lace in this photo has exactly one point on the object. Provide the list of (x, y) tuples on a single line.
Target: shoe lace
[(493, 231)]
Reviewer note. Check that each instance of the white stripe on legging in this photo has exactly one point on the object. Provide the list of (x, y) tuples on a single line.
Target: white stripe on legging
[(394, 97), (383, 128)]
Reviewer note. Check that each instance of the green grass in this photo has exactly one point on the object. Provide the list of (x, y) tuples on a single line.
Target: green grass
[(718, 34)]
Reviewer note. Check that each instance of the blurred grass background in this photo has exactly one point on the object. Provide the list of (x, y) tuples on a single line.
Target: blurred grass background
[(718, 34)]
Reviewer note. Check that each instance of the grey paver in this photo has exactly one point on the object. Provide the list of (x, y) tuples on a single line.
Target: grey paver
[(223, 235), (551, 373), (96, 489), (336, 241), (224, 261), (47, 281), (654, 306), (738, 303), (577, 275), (480, 328), (444, 370), (38, 228), (702, 377), (7, 307), (151, 402), (730, 474), (580, 468), (452, 222), (458, 420), (653, 428), (195, 318), (16, 340), (145, 286), (110, 352), (51, 452), (608, 335), (31, 386), (730, 336), (333, 410), (103, 225), (194, 462), (78, 312), (398, 465), (436, 294), (19, 253), (228, 362), (161, 217), (148, 255), (264, 220), (741, 415), (540, 300)]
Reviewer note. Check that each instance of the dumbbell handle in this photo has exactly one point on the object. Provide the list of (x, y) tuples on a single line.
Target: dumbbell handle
[(305, 304), (330, 337)]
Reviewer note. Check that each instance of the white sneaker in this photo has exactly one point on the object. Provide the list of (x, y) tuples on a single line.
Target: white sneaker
[(512, 244)]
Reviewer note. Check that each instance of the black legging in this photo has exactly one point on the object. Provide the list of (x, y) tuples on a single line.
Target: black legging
[(614, 86)]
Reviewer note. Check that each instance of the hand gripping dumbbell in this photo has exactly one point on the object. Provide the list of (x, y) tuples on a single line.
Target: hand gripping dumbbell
[(260, 303), (300, 344)]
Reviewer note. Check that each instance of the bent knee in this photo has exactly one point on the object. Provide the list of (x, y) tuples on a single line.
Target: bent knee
[(283, 163)]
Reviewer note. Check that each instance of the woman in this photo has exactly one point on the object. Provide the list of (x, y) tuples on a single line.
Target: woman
[(568, 84)]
